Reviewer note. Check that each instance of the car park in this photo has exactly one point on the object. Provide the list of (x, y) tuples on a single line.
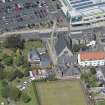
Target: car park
[(17, 13)]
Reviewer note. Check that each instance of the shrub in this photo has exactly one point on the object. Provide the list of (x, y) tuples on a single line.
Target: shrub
[(19, 74), (25, 97), (52, 78), (8, 61), (14, 41)]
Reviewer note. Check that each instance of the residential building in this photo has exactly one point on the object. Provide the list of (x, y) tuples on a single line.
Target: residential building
[(91, 58), (41, 50), (39, 57), (85, 12), (34, 57), (38, 74), (100, 75)]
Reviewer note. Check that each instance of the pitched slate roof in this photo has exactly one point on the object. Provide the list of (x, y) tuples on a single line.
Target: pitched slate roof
[(34, 55), (60, 44)]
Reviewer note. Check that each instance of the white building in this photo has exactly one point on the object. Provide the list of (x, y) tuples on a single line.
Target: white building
[(85, 12), (92, 43), (100, 75), (91, 59)]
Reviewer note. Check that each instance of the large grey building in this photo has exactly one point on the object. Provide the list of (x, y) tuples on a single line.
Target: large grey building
[(85, 12)]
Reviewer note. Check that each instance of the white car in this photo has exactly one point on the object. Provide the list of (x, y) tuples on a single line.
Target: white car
[(25, 82), (22, 88), (33, 78)]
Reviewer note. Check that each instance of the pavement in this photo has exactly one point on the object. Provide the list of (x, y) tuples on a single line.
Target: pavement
[(42, 33)]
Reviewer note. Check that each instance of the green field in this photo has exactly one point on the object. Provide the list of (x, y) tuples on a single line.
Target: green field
[(33, 44), (101, 103), (1, 99), (61, 93)]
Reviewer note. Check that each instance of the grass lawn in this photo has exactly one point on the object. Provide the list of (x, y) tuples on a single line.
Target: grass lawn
[(32, 45), (101, 103), (61, 93), (1, 99)]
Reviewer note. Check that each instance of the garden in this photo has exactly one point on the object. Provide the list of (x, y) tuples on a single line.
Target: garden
[(14, 70), (88, 75)]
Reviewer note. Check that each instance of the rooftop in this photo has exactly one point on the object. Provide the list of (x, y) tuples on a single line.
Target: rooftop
[(67, 59), (102, 69), (60, 44), (34, 55), (92, 56), (67, 71), (88, 7)]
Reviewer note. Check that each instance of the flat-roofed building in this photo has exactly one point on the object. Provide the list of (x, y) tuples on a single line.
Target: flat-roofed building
[(85, 12), (91, 58)]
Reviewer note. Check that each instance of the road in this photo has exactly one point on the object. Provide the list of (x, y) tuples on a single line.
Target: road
[(39, 32), (46, 33), (49, 30)]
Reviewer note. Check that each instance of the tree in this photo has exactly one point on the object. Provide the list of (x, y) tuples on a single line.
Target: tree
[(25, 97), (27, 67), (14, 93), (19, 74), (4, 55), (1, 71), (89, 78), (19, 58), (93, 81), (9, 74), (14, 41), (93, 70), (49, 66), (4, 83), (51, 77), (8, 91), (4, 88), (8, 61), (85, 76), (12, 76), (77, 47)]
